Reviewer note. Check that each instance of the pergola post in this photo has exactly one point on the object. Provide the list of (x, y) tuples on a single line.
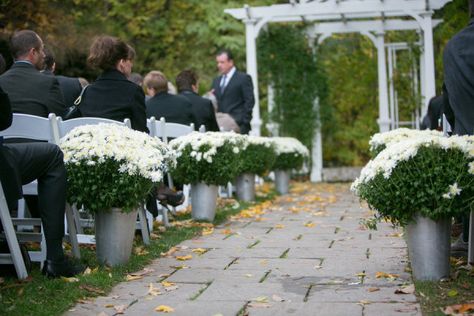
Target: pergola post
[(428, 56), (383, 120), (251, 49)]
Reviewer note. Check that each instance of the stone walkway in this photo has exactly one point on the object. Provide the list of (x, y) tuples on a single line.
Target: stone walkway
[(305, 254)]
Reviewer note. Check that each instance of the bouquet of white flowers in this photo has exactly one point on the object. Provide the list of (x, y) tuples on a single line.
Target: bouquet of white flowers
[(258, 156), (290, 152), (380, 141), (211, 158), (113, 166), (432, 175)]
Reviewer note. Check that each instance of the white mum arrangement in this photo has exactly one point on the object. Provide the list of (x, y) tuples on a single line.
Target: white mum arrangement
[(290, 152), (119, 158), (379, 141), (429, 173), (211, 157)]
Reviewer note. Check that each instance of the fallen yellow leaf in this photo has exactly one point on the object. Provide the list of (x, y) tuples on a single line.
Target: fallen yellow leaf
[(184, 258), (153, 290), (385, 275), (164, 309), (70, 280), (279, 226), (207, 231), (167, 284), (309, 224), (227, 231), (373, 289), (199, 251), (130, 277), (261, 299)]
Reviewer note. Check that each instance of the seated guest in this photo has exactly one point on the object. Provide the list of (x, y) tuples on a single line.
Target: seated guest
[(22, 163), (432, 119), (70, 87), (174, 108), (187, 83), (112, 95), (30, 91)]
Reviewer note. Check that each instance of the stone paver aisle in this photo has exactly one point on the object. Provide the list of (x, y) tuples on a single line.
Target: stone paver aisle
[(305, 255)]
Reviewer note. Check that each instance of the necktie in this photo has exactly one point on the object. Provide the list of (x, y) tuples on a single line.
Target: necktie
[(223, 83)]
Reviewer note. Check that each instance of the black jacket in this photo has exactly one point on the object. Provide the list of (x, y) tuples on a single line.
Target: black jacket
[(9, 176), (237, 99), (114, 97), (174, 108), (458, 62), (203, 111), (31, 92), (70, 87)]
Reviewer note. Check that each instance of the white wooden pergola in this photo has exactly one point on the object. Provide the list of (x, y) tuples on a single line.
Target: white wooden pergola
[(371, 18)]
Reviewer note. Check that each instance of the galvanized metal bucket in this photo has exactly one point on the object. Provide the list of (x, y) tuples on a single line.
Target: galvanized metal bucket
[(245, 187), (203, 201), (282, 181), (114, 233), (429, 248)]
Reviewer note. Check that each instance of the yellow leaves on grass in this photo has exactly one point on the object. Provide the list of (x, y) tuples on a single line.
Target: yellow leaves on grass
[(459, 309), (70, 280), (164, 309)]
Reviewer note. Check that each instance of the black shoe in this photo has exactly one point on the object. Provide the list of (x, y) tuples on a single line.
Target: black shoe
[(171, 198), (63, 268)]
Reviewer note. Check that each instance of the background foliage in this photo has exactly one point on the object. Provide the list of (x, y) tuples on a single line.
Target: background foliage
[(171, 35)]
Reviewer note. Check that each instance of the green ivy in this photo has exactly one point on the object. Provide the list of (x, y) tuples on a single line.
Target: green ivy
[(286, 62)]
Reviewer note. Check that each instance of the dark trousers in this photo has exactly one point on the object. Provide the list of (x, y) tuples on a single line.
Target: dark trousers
[(44, 162)]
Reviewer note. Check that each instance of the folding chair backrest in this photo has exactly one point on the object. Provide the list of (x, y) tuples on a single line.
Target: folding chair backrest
[(166, 130), (150, 124), (31, 127), (202, 129), (65, 127)]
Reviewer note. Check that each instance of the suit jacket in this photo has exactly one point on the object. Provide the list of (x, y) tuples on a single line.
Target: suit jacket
[(70, 87), (174, 108), (237, 99), (203, 111), (9, 176), (113, 96), (31, 92), (458, 62)]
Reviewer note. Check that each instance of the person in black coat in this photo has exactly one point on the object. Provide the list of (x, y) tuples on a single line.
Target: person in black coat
[(29, 90), (174, 108), (112, 95), (24, 162), (70, 87), (187, 84), (234, 91), (432, 119)]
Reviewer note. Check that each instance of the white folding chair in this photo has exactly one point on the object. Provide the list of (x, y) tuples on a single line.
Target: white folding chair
[(64, 127), (165, 131), (14, 256), (37, 128)]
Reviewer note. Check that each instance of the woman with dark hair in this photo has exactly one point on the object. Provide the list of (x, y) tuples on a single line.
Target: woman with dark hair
[(112, 95)]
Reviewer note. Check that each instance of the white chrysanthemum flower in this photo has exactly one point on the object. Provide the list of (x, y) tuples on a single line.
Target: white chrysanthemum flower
[(137, 152), (397, 135), (289, 145)]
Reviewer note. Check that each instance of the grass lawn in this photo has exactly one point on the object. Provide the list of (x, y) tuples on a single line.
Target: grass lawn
[(458, 290), (39, 295)]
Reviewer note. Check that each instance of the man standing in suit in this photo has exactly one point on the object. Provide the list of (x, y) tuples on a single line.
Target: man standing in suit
[(174, 108), (234, 91), (187, 84), (25, 162), (70, 87), (458, 91), (30, 91)]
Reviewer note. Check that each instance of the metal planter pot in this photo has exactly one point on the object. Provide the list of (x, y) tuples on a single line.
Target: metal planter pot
[(245, 187), (282, 181), (203, 201), (429, 248), (114, 233)]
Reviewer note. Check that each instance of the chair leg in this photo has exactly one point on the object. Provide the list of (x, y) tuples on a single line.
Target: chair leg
[(72, 232), (77, 219), (143, 225), (470, 255), (12, 240), (164, 213)]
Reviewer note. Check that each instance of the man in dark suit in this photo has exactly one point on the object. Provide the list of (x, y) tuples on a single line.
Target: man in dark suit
[(234, 91), (70, 87), (30, 91), (174, 108), (187, 84), (25, 162), (458, 90)]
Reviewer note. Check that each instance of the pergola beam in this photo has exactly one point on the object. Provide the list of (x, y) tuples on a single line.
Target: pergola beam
[(333, 10)]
